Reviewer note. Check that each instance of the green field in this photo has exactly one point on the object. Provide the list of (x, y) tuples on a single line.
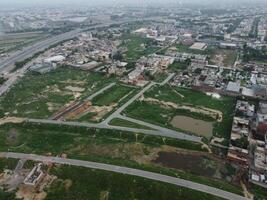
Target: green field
[(16, 41), (260, 193), (150, 112), (7, 164), (106, 146), (125, 123), (178, 66), (39, 96), (134, 49), (96, 184), (112, 96)]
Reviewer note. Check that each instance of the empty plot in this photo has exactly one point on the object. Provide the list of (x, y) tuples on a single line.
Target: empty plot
[(196, 126), (112, 95)]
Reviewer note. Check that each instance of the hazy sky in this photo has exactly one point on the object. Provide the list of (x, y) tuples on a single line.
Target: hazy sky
[(113, 2)]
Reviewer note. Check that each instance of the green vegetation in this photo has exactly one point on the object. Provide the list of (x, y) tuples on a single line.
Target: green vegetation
[(138, 46), (2, 80), (112, 96), (125, 123), (98, 184), (178, 66), (39, 96), (56, 139), (254, 30), (149, 112), (100, 145), (250, 54), (234, 24), (7, 195), (260, 193), (7, 164)]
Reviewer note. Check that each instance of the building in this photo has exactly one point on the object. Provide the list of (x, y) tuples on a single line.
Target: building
[(199, 46)]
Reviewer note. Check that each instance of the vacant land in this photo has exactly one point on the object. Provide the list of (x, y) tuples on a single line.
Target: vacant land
[(223, 57), (39, 96), (137, 47), (96, 184), (160, 108), (107, 146), (105, 103), (192, 125), (112, 96), (178, 66), (9, 42)]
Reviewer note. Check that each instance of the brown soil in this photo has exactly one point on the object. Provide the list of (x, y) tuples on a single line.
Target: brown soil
[(192, 125), (196, 164)]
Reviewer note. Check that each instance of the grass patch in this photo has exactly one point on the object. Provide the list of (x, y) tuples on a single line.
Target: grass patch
[(106, 185), (106, 146), (112, 96), (31, 95), (125, 123), (178, 66), (138, 46), (260, 193), (150, 113), (9, 163)]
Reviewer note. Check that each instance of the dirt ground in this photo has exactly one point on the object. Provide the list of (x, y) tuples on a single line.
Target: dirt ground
[(38, 192), (14, 120), (191, 163), (196, 126)]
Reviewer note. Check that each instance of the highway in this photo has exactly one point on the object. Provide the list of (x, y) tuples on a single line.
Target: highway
[(7, 64), (128, 171), (27, 52)]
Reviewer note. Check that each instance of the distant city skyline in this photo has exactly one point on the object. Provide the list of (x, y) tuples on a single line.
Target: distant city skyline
[(119, 2)]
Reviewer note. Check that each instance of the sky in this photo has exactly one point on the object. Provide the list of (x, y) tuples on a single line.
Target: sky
[(112, 2)]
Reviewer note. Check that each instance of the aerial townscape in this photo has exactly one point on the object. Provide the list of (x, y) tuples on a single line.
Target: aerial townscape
[(133, 100)]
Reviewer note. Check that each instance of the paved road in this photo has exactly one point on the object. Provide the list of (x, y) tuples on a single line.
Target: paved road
[(120, 109), (167, 131), (27, 52), (7, 64), (174, 135), (167, 79), (128, 171), (158, 131)]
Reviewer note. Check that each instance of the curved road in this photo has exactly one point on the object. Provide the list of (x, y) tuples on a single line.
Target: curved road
[(128, 171)]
